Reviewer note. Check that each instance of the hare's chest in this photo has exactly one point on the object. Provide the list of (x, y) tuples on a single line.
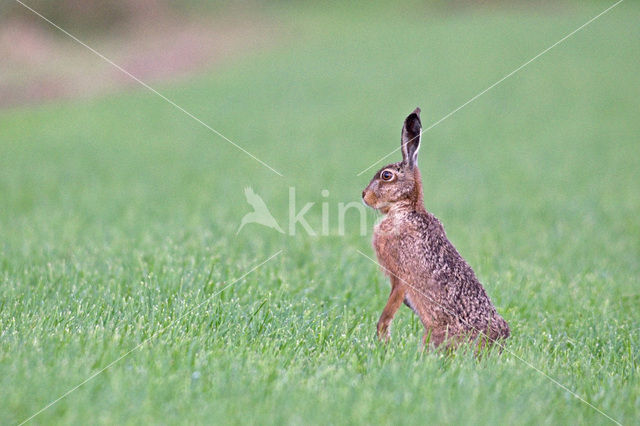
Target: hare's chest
[(387, 245)]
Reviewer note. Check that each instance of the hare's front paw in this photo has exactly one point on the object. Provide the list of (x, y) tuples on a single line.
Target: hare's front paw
[(383, 330)]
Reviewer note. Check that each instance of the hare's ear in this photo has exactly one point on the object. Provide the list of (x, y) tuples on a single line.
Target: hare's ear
[(411, 138)]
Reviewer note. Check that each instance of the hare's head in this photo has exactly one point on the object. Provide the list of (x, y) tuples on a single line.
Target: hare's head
[(399, 183)]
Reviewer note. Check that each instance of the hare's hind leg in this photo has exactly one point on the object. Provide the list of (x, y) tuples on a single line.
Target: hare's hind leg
[(433, 338), (395, 301)]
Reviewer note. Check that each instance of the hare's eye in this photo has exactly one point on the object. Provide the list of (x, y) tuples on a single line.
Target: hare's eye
[(386, 175)]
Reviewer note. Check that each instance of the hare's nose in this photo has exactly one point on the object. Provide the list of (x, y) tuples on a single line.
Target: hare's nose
[(362, 194)]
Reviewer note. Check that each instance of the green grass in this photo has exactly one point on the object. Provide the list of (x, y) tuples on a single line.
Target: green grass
[(118, 220)]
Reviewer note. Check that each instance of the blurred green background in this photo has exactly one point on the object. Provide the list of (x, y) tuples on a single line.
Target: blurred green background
[(119, 213)]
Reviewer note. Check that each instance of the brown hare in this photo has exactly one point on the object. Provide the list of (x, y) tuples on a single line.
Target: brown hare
[(426, 271)]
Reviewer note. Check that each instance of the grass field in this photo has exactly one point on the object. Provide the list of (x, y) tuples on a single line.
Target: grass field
[(118, 221)]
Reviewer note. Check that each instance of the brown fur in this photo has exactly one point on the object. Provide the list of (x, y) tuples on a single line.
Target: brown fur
[(426, 271)]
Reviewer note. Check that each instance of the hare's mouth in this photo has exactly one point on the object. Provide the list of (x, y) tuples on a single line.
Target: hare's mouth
[(369, 199)]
